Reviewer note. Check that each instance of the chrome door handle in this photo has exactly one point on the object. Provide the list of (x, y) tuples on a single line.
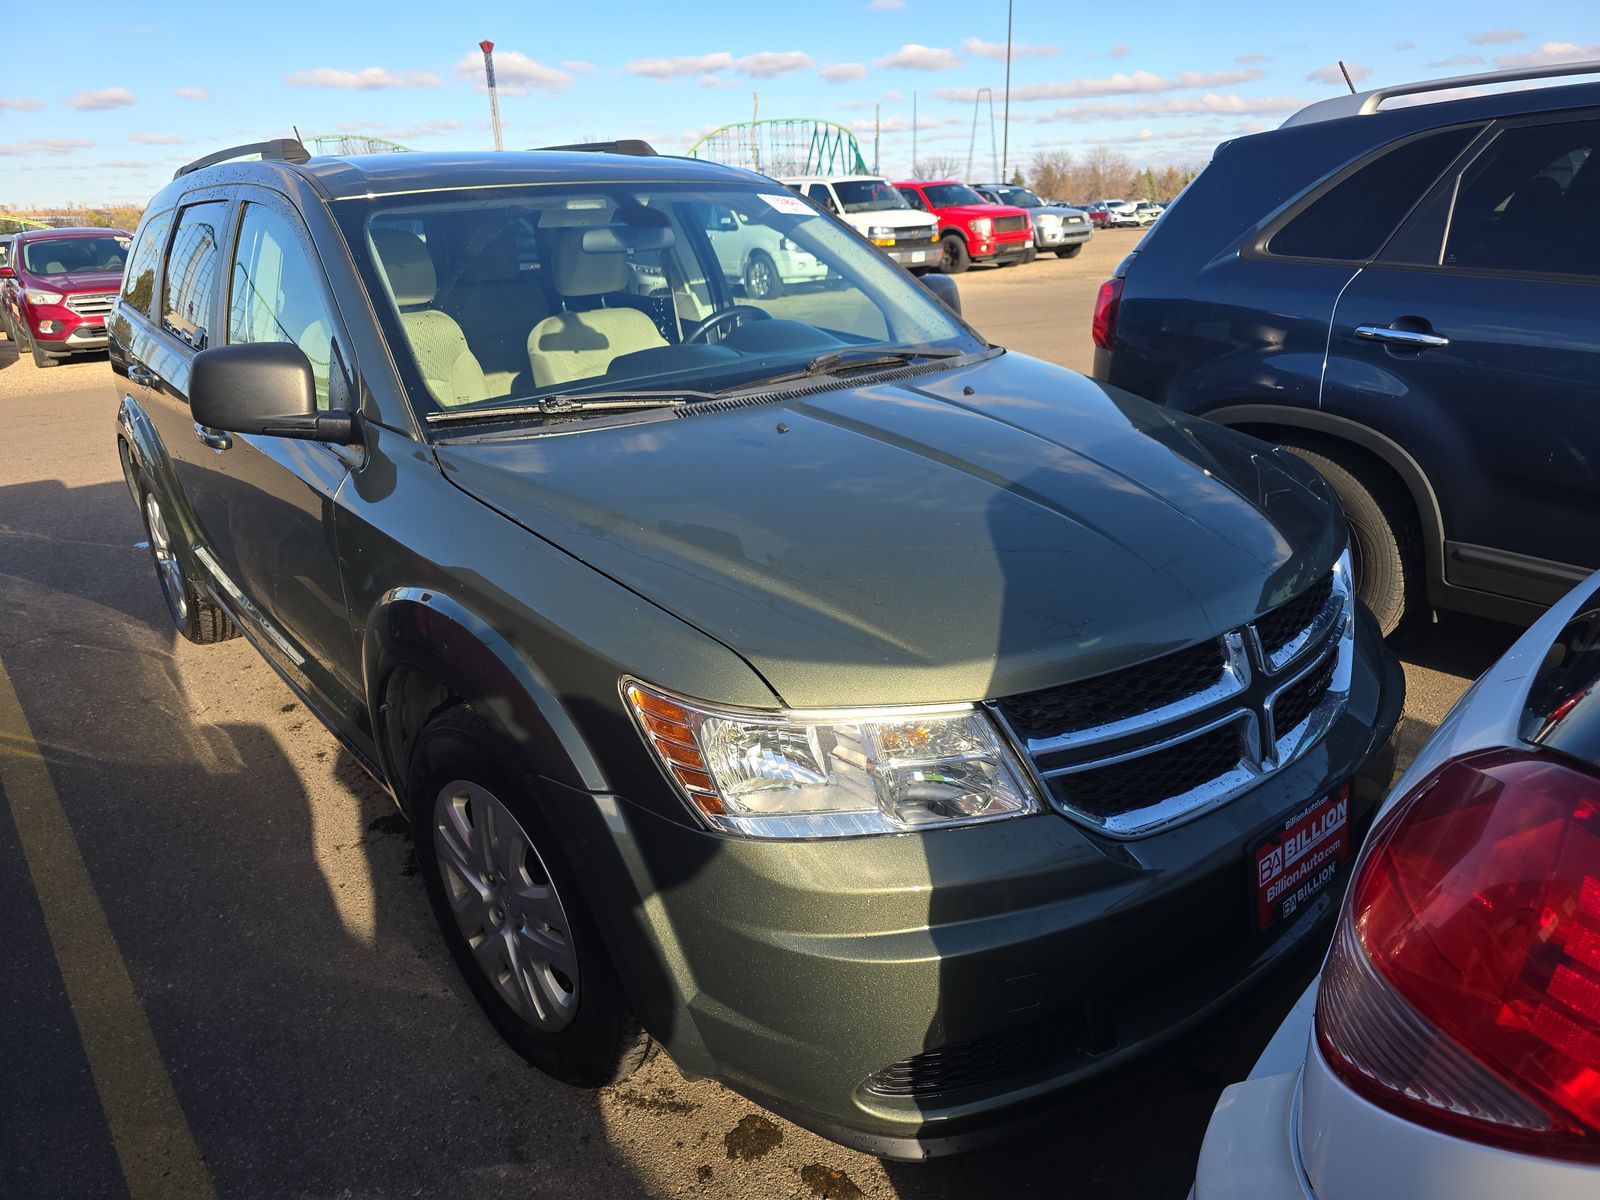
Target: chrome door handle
[(214, 438), (1401, 337), (141, 375)]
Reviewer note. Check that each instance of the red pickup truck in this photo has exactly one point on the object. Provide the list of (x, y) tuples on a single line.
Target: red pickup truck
[(57, 287), (970, 228)]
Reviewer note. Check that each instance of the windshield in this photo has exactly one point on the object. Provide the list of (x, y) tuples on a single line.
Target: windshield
[(67, 255), (1020, 196), (865, 195), (515, 294), (947, 195)]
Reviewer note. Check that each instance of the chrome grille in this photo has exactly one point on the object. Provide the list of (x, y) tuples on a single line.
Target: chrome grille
[(96, 305), (1159, 743), (1010, 224)]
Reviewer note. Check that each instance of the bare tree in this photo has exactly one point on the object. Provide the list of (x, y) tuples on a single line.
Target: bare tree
[(939, 166), (1052, 174), (1107, 174)]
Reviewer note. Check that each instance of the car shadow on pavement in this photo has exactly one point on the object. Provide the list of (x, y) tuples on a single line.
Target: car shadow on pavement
[(260, 888)]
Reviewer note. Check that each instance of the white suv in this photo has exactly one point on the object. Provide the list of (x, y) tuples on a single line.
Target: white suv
[(758, 257), (878, 212)]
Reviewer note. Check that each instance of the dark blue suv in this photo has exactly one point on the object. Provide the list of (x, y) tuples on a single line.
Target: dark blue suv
[(1408, 296)]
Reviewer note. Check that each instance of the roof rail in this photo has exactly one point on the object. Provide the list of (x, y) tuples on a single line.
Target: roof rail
[(634, 146), (1366, 103), (278, 150)]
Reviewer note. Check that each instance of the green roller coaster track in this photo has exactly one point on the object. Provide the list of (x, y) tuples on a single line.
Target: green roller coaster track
[(11, 224), (351, 143), (784, 146)]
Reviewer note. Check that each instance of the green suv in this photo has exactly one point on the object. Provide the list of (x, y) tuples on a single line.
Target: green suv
[(902, 731)]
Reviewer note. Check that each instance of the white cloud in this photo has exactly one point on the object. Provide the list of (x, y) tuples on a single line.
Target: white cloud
[(113, 97), (368, 79), (673, 68), (1331, 74), (914, 57), (903, 124), (1458, 60), (576, 66), (1138, 83), (1549, 55), (842, 73), (1120, 50), (192, 93), (514, 73), (156, 139), (1170, 106), (1252, 58), (887, 5), (380, 129), (997, 50), (769, 64), (715, 81), (20, 104), (51, 146), (1495, 36)]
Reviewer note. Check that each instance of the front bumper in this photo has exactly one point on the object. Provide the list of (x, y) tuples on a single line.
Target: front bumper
[(913, 253), (1006, 247), (57, 330), (996, 968), (1059, 233)]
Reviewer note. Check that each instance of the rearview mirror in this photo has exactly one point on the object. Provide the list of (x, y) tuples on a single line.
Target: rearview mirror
[(263, 388), (944, 290)]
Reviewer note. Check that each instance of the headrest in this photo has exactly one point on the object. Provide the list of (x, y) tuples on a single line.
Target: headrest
[(496, 262), (581, 273), (406, 263)]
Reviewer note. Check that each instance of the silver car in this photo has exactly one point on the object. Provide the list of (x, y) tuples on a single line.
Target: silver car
[(1056, 227), (1451, 1047)]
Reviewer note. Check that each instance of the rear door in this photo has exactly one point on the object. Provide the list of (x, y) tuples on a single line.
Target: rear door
[(1473, 342)]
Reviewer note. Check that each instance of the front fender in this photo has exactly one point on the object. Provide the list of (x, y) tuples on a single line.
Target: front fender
[(424, 628)]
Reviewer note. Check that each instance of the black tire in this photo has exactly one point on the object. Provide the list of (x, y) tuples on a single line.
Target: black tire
[(953, 256), (193, 613), (603, 1041), (1069, 251), (1385, 546), (761, 279)]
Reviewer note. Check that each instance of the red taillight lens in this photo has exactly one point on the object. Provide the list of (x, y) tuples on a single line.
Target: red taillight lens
[(1105, 313), (1463, 990)]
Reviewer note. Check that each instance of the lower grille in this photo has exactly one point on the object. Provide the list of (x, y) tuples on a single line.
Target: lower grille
[(984, 1062), (1010, 224), (1297, 701)]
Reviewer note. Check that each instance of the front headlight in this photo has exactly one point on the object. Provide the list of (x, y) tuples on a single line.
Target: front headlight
[(982, 226), (1049, 218), (833, 774), (40, 296)]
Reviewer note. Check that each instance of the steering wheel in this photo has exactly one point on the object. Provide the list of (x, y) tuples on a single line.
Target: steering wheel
[(726, 316)]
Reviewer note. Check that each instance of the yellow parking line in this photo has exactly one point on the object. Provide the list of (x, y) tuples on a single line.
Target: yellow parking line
[(159, 1158)]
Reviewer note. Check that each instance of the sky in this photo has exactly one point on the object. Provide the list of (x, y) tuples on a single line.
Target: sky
[(107, 115)]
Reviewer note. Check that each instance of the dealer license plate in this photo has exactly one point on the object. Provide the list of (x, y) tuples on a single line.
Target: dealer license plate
[(1300, 860), (919, 256)]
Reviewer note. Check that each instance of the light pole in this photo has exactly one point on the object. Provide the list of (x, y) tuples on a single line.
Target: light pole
[(494, 100), (1005, 134)]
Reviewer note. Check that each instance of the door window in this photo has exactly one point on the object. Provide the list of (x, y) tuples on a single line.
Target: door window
[(1531, 203), (191, 263), (1351, 220), (139, 280), (820, 193), (913, 198), (275, 294)]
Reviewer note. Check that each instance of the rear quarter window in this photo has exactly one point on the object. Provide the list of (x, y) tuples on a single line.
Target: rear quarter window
[(1351, 220), (139, 279), (1562, 711)]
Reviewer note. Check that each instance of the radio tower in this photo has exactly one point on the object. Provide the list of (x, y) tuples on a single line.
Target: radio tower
[(494, 100)]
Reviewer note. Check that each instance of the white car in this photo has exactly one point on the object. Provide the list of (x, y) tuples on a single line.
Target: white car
[(1451, 1047), (878, 212), (758, 256)]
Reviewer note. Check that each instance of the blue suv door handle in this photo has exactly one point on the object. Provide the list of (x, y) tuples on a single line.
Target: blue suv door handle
[(1408, 338)]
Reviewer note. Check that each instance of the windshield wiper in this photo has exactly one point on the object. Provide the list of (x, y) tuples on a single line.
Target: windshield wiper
[(562, 405), (862, 358)]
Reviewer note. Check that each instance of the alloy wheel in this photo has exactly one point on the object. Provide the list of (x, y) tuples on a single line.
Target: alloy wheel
[(758, 278), (167, 568), (506, 905)]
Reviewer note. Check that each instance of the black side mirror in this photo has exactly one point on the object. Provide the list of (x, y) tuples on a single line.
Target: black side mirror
[(264, 388), (944, 290)]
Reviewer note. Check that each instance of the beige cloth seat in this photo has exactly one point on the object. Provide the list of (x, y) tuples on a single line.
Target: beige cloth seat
[(581, 345), (440, 348), (497, 304)]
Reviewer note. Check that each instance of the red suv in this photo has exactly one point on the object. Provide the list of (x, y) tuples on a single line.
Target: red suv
[(57, 288), (970, 228)]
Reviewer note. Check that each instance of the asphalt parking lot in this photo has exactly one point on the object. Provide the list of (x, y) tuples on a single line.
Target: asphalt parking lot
[(224, 979)]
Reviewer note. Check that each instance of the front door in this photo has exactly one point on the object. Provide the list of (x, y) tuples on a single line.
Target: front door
[(1472, 341)]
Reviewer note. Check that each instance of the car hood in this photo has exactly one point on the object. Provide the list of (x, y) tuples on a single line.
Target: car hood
[(957, 534), (79, 281)]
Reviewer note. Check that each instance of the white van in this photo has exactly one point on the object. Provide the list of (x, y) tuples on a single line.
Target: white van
[(877, 211), (758, 256)]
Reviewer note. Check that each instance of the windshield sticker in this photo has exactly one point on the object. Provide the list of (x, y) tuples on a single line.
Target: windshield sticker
[(789, 203)]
